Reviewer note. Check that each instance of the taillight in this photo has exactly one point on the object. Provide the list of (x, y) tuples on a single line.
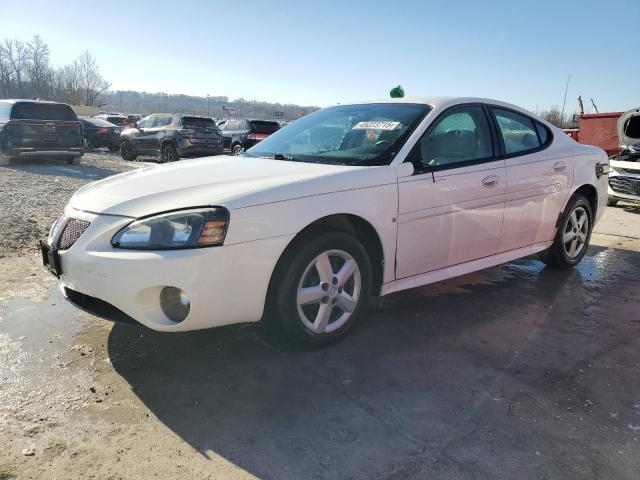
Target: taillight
[(103, 131), (186, 131), (257, 136)]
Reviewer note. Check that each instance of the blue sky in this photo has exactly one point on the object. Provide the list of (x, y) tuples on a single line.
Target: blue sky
[(325, 52)]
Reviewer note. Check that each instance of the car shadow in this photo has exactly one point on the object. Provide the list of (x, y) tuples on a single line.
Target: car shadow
[(431, 378), (62, 169)]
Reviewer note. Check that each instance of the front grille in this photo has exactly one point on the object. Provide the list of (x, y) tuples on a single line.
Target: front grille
[(628, 170), (71, 233), (626, 185)]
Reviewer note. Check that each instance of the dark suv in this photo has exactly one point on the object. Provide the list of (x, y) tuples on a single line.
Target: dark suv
[(171, 137), (242, 133), (39, 129)]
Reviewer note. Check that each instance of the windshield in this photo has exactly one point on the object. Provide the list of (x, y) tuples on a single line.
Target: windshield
[(367, 134)]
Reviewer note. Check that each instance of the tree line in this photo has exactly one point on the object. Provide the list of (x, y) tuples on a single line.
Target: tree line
[(26, 72)]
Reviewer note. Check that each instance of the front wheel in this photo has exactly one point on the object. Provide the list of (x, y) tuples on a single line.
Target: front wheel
[(126, 151), (169, 153), (237, 149), (573, 235), (322, 285)]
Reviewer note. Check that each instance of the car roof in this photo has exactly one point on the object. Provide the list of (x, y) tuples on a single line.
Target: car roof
[(441, 102), (28, 100)]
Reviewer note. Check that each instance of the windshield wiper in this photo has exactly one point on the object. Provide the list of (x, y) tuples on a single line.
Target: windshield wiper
[(282, 156)]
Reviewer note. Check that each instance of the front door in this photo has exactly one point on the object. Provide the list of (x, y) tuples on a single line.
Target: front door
[(451, 208), (140, 140)]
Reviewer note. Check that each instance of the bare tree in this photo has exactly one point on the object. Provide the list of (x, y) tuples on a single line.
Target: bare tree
[(16, 53), (38, 68), (92, 84)]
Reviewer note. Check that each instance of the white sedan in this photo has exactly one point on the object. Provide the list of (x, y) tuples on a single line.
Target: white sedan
[(346, 203)]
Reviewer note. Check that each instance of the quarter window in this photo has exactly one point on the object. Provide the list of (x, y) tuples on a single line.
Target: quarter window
[(458, 136), (518, 132)]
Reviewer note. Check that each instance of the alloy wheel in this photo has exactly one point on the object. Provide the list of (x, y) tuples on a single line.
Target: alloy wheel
[(576, 230), (329, 291)]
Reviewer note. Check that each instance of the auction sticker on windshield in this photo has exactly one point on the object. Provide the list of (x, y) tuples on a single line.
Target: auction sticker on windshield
[(379, 125)]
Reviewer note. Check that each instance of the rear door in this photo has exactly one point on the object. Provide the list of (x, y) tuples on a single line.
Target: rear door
[(451, 209), (539, 175), (158, 132), (37, 126), (140, 139)]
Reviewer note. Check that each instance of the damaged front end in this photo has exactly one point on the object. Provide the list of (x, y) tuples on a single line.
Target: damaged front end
[(624, 178)]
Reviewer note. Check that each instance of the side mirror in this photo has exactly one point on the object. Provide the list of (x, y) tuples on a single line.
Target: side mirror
[(405, 169)]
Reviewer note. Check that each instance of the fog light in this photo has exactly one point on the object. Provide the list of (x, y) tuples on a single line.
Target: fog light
[(174, 303)]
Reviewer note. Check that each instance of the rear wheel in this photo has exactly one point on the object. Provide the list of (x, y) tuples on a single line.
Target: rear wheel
[(237, 149), (126, 151), (322, 286), (168, 153), (73, 161), (572, 238)]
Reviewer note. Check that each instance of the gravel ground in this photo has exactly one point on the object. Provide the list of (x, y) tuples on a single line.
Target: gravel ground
[(35, 192)]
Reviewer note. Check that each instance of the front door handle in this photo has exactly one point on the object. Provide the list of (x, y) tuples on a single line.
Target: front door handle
[(559, 167), (491, 181)]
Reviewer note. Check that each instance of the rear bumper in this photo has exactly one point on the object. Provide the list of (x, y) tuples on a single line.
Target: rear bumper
[(199, 150), (49, 154)]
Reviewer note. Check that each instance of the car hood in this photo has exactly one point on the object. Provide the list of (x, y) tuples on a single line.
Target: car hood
[(230, 181)]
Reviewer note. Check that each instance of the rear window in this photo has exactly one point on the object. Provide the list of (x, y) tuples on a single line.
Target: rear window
[(197, 122), (117, 120), (260, 126), (5, 110), (98, 122), (42, 111)]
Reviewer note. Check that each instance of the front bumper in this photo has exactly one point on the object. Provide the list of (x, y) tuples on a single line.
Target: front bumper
[(225, 285), (624, 186)]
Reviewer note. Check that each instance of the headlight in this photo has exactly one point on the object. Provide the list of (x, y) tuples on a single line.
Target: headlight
[(200, 227)]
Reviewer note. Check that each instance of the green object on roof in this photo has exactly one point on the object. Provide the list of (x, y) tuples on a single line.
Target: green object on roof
[(397, 92)]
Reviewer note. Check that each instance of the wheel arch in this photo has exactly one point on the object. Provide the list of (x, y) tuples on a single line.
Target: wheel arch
[(349, 223), (591, 193)]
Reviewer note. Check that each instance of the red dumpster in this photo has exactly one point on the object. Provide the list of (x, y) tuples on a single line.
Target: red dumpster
[(601, 130)]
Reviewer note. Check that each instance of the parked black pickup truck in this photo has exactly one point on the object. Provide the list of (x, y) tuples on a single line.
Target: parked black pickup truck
[(172, 137), (39, 129)]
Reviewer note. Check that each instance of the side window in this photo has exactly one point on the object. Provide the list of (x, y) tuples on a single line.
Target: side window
[(162, 121), (242, 125), (457, 136), (518, 132), (231, 126), (146, 122)]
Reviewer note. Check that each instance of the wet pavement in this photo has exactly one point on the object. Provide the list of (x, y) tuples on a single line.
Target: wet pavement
[(512, 372)]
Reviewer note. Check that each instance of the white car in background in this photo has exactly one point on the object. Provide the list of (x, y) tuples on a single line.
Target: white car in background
[(624, 181), (348, 202)]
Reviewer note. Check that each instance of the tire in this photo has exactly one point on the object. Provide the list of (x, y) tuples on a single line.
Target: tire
[(236, 149), (73, 161), (168, 153), (325, 317), (126, 151), (567, 254), (88, 146), (611, 202), (4, 160)]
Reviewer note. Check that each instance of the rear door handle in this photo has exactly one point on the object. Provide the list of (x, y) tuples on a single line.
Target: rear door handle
[(559, 167), (491, 181)]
